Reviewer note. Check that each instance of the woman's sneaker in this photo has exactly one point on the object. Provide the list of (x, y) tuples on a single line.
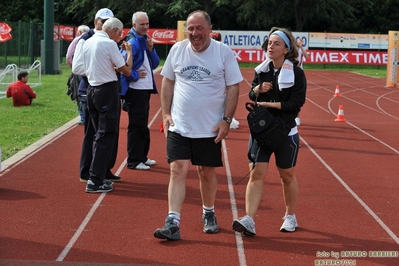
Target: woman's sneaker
[(289, 224), (245, 225)]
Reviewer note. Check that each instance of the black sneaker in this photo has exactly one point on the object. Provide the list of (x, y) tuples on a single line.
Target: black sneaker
[(210, 223), (114, 178), (93, 188), (170, 231), (106, 181)]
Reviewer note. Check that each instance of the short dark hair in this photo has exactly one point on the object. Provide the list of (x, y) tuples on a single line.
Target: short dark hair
[(22, 74)]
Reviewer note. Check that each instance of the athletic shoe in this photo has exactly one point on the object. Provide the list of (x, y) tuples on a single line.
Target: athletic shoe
[(114, 178), (141, 166), (245, 225), (93, 188), (290, 223), (170, 231), (210, 223), (150, 162), (106, 181)]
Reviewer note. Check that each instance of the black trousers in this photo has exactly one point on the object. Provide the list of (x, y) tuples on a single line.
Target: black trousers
[(138, 134), (104, 108)]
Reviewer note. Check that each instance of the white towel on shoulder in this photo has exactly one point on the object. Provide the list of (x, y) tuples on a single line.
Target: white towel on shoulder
[(286, 79)]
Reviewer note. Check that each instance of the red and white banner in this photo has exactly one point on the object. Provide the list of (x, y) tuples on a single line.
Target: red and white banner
[(5, 32), (159, 36), (321, 57), (64, 33)]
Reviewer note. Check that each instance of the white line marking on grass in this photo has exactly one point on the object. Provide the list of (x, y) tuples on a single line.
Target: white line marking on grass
[(364, 205), (240, 244)]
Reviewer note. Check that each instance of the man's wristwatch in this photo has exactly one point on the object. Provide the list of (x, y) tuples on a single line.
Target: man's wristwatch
[(227, 119)]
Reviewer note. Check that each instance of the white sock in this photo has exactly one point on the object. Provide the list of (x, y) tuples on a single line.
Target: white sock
[(175, 216), (207, 209)]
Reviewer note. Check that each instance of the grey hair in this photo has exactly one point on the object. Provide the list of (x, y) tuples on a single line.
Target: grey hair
[(138, 14), (113, 23), (83, 28)]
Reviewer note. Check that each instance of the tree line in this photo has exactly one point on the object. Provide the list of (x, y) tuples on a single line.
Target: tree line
[(346, 16)]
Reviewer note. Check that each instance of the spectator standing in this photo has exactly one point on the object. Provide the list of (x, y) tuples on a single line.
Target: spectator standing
[(302, 54), (72, 46), (69, 56), (101, 56), (279, 85), (136, 91), (199, 96), (86, 155), (21, 93)]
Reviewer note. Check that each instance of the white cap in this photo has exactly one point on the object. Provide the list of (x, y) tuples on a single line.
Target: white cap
[(104, 13)]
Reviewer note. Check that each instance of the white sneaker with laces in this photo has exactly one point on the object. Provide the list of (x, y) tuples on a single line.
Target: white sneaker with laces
[(245, 225), (289, 224), (142, 166), (150, 162)]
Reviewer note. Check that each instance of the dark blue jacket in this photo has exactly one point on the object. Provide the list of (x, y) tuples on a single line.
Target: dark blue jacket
[(139, 45)]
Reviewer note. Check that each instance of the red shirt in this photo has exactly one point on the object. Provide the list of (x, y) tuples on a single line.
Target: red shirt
[(21, 93)]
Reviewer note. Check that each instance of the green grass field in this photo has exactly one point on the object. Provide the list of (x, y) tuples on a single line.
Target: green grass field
[(22, 126)]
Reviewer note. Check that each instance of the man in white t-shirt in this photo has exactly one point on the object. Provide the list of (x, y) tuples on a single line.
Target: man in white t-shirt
[(199, 96), (101, 57)]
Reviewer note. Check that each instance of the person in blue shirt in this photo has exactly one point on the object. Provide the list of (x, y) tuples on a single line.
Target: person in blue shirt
[(136, 92)]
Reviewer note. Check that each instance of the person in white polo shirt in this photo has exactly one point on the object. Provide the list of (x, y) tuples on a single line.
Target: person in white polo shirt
[(101, 58)]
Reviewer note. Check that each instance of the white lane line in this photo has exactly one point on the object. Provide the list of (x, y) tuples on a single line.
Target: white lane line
[(81, 228), (93, 209), (239, 241), (364, 205)]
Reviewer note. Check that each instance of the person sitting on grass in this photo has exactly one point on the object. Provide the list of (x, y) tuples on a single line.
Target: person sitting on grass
[(21, 93)]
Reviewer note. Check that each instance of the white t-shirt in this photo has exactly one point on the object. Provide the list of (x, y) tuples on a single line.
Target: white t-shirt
[(200, 86), (100, 57), (143, 83)]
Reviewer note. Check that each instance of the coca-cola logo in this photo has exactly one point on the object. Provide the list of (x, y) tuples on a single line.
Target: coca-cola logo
[(5, 28), (67, 31), (168, 34)]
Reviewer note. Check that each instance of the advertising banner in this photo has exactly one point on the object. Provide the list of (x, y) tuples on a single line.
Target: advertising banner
[(181, 30), (254, 39), (321, 57), (5, 32), (393, 59), (158, 36), (348, 40)]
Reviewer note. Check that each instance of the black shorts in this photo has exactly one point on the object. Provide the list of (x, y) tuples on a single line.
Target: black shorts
[(202, 151), (286, 155)]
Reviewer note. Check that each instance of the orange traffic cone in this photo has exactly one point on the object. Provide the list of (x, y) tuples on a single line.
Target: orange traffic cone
[(337, 94), (340, 117)]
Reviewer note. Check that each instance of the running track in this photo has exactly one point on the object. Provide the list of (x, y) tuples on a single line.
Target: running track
[(348, 203)]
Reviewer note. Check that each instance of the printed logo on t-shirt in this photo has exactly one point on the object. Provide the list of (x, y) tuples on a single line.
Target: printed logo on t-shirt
[(197, 72)]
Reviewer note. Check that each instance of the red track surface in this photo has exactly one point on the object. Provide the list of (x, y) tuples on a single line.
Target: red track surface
[(347, 174)]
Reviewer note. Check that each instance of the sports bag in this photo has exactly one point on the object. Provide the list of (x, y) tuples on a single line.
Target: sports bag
[(267, 130)]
